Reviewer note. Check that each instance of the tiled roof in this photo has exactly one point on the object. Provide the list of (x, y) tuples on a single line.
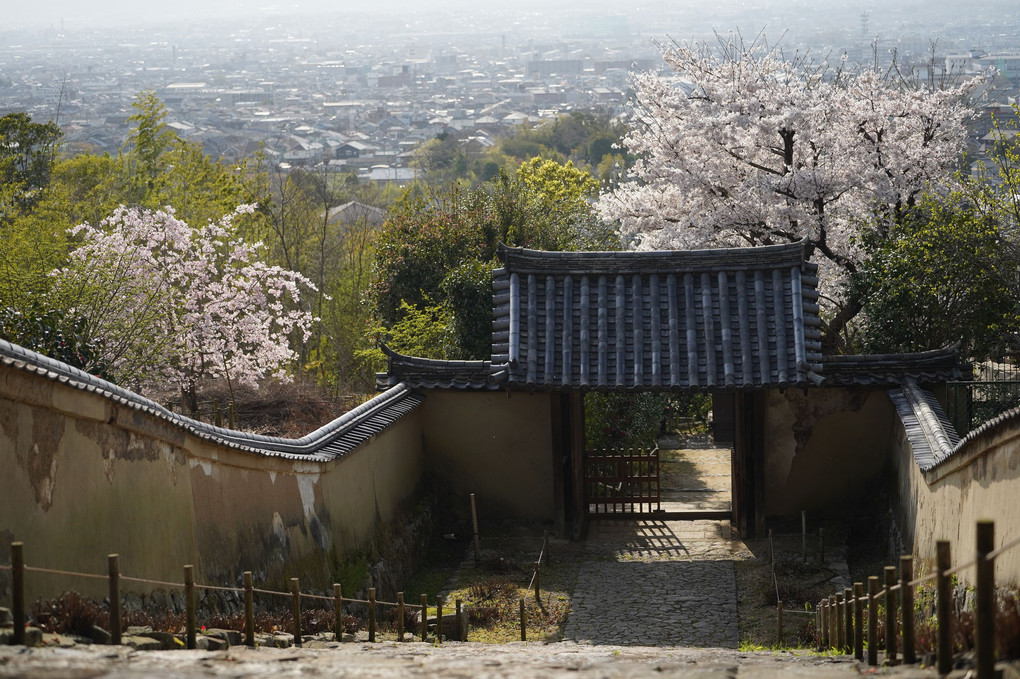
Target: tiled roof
[(326, 443), (427, 373), (742, 318), (932, 438), (929, 367)]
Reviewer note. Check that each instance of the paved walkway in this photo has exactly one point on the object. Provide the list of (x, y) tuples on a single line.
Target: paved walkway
[(664, 583), (657, 583)]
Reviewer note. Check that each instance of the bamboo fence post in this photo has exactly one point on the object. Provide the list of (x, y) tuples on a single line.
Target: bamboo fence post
[(189, 606), (859, 620), (18, 593), (439, 619), (424, 617), (295, 602), (113, 563), (400, 616), (338, 612), (890, 615), (371, 615), (944, 648), (984, 653), (873, 620), (249, 609), (907, 608), (524, 622), (779, 624), (848, 620), (840, 627)]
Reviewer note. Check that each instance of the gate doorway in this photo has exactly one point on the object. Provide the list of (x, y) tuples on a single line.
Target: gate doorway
[(622, 482)]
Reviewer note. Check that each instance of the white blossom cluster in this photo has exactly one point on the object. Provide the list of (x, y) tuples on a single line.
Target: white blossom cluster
[(741, 146), (169, 303)]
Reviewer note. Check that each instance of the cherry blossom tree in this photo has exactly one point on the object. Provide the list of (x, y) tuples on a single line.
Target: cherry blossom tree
[(168, 303), (740, 146)]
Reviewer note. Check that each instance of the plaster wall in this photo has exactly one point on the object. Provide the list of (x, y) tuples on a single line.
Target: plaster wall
[(824, 447), (495, 445), (85, 477), (981, 481)]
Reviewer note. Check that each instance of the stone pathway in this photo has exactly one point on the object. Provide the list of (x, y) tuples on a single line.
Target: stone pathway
[(657, 583)]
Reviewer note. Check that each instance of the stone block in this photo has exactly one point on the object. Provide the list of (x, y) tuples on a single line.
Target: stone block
[(142, 643), (168, 640), (232, 637), (99, 635), (5, 617)]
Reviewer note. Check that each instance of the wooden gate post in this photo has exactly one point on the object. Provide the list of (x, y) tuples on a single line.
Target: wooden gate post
[(944, 647), (890, 615), (985, 603), (18, 593), (114, 570), (907, 609)]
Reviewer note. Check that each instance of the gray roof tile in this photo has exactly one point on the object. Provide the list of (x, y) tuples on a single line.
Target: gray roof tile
[(326, 443), (741, 318)]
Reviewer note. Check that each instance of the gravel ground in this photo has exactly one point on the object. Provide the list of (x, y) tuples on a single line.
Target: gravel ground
[(390, 660)]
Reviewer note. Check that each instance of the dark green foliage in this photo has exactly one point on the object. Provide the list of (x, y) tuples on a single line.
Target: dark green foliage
[(54, 333), (623, 420), (27, 153), (439, 249), (942, 275)]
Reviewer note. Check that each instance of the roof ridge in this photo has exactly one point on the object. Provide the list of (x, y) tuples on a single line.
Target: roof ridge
[(325, 443)]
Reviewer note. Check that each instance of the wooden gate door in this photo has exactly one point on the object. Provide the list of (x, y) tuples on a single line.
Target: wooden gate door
[(622, 482)]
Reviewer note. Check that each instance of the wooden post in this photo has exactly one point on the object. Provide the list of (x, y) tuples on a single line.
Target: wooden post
[(439, 619), (537, 579), (859, 620), (371, 615), (524, 622), (840, 627), (233, 414), (984, 637), (114, 570), (18, 593), (474, 525), (803, 534), (779, 624), (400, 616), (338, 611), (833, 620), (818, 626), (424, 617), (943, 595), (295, 604), (873, 620), (848, 620), (890, 615), (907, 608), (823, 609), (189, 606), (460, 623), (249, 609)]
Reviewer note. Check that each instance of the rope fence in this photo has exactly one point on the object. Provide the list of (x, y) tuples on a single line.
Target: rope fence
[(18, 569), (840, 617)]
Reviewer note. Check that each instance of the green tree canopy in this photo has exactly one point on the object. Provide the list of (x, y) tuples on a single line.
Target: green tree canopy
[(941, 276), (440, 248)]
